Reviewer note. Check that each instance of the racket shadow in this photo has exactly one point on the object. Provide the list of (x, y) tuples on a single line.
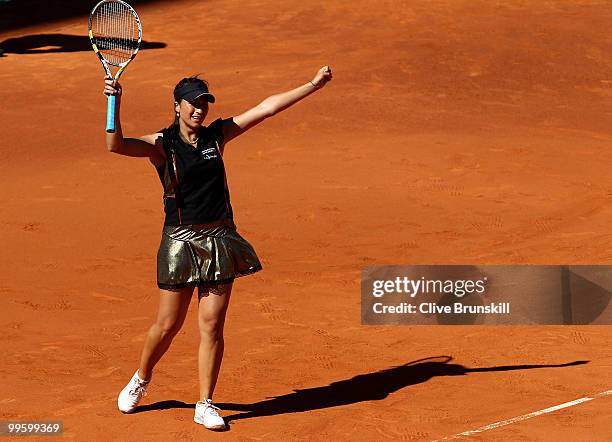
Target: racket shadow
[(48, 43)]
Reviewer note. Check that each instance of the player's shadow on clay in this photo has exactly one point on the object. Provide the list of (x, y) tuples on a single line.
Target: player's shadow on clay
[(367, 387), (46, 43), (364, 387)]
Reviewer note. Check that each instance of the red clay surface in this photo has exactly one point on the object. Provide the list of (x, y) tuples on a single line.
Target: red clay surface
[(453, 132)]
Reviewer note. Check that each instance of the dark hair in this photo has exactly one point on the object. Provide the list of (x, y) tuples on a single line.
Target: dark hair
[(184, 81)]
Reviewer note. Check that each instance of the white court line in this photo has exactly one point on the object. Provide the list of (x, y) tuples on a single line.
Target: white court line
[(525, 416)]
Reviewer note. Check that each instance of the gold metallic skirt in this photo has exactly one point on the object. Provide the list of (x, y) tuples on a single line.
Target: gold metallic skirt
[(203, 255)]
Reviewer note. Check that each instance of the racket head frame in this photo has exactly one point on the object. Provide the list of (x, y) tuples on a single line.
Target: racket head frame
[(107, 63)]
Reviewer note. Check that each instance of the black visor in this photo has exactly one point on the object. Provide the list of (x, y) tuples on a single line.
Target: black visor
[(193, 91)]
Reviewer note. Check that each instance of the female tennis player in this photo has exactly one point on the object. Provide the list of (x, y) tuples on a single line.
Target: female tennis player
[(200, 246)]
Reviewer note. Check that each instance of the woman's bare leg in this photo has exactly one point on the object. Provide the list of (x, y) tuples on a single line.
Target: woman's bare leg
[(213, 304), (173, 306)]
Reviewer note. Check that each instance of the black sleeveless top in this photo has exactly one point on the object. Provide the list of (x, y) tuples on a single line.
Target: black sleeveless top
[(194, 181)]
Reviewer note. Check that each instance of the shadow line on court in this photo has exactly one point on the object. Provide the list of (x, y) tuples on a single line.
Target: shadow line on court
[(46, 43)]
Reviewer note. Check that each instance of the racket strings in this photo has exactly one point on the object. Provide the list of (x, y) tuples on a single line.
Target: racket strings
[(115, 32)]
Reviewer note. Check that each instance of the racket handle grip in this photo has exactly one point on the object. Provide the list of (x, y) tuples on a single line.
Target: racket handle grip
[(110, 114)]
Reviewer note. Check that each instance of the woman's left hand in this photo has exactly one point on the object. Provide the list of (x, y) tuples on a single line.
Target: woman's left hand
[(323, 76)]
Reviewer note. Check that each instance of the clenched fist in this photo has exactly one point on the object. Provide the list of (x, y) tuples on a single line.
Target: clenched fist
[(323, 76)]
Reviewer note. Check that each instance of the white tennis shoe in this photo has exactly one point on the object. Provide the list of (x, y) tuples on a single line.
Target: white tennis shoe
[(206, 414), (131, 395)]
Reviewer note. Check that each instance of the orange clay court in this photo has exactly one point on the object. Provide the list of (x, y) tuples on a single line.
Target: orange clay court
[(456, 132)]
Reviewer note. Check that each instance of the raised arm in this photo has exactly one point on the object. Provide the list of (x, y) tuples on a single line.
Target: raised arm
[(274, 104), (146, 146)]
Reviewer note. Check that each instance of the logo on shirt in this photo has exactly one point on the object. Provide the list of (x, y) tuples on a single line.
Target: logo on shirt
[(209, 154)]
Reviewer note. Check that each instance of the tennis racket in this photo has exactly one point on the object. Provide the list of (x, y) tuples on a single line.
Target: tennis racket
[(115, 33)]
